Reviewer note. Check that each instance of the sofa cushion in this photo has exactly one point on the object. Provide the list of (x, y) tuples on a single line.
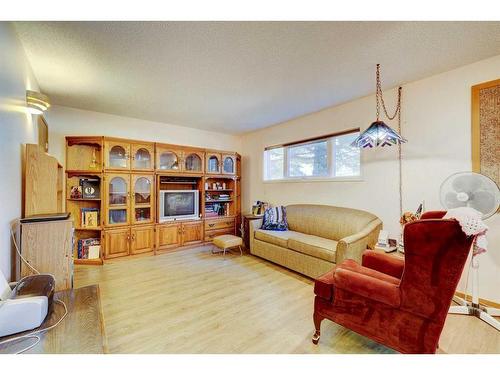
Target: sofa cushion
[(329, 222), (278, 238), (315, 246)]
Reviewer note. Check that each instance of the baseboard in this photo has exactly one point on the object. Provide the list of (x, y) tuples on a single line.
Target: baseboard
[(483, 302)]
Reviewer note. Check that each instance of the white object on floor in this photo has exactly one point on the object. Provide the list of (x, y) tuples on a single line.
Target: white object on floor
[(17, 315)]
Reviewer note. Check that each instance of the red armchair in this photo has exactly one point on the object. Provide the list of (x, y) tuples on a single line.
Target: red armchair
[(399, 303)]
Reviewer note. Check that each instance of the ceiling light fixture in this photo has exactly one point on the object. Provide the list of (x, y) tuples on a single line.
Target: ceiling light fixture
[(36, 102), (379, 134)]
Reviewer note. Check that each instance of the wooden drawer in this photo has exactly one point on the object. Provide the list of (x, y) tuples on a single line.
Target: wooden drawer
[(219, 223), (211, 234)]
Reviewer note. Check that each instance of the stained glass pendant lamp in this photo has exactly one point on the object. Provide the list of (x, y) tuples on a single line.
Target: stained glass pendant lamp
[(379, 134)]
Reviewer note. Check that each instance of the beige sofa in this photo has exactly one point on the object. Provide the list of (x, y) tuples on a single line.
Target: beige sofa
[(318, 238)]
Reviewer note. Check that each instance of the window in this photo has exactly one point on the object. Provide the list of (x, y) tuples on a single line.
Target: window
[(321, 158)]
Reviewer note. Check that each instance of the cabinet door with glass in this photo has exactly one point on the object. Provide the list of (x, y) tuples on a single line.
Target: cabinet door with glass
[(213, 161), (168, 159), (142, 199), (117, 155), (142, 157), (228, 163), (117, 208), (193, 161)]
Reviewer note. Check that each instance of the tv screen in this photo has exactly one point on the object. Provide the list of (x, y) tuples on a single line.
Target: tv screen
[(179, 203)]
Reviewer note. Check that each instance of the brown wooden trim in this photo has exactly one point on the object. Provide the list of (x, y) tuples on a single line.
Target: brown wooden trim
[(312, 139), (482, 301), (475, 126)]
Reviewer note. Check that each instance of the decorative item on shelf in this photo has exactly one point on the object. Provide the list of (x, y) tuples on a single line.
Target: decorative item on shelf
[(259, 208), (90, 217), (36, 102), (224, 186), (76, 192), (93, 163), (90, 188)]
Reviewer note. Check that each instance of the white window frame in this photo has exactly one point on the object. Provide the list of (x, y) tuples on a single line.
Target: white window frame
[(330, 160)]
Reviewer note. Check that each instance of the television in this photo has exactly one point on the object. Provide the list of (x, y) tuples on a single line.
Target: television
[(179, 204)]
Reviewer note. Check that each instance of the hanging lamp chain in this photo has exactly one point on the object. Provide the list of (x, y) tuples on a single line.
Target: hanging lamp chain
[(380, 99)]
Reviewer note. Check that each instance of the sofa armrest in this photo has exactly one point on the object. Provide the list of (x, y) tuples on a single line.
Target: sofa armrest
[(368, 287), (352, 247), (383, 263), (253, 225)]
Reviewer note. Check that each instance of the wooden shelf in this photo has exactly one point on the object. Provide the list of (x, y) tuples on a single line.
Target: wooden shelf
[(84, 200), (88, 261), (218, 200), (214, 190), (89, 229), (74, 172)]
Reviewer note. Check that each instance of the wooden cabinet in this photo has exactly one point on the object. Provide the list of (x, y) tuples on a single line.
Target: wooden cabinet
[(173, 235), (117, 242), (116, 155), (218, 227), (192, 233), (129, 241), (142, 200), (193, 161), (117, 194), (168, 236), (142, 239), (168, 159), (142, 156), (130, 174), (48, 246), (229, 163), (213, 163), (179, 160)]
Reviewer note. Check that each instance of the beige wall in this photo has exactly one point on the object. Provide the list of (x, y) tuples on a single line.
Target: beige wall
[(16, 128), (436, 122), (63, 121)]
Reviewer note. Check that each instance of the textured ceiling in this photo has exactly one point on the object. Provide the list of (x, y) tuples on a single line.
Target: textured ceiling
[(239, 76)]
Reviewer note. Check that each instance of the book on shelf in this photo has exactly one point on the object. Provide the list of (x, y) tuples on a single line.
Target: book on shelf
[(88, 248), (216, 209), (90, 188), (89, 217)]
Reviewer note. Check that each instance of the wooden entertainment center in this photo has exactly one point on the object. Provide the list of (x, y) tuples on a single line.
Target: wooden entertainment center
[(119, 181)]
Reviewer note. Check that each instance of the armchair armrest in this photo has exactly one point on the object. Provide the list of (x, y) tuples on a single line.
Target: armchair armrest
[(352, 247), (253, 225), (368, 287), (383, 263), (323, 285)]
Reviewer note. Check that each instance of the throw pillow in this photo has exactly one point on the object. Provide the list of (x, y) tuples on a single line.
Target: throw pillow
[(275, 219)]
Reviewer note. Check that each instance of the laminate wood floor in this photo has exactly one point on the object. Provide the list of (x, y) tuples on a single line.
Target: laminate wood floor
[(191, 301)]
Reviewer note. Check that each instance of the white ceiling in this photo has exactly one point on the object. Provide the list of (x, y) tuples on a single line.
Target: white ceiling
[(239, 76)]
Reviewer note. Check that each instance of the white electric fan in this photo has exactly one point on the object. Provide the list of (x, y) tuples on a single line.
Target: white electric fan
[(469, 189)]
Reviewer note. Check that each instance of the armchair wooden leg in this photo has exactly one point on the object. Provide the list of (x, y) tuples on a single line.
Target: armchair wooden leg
[(317, 324)]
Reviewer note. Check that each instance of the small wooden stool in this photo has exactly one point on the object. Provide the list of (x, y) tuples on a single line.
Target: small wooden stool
[(227, 241)]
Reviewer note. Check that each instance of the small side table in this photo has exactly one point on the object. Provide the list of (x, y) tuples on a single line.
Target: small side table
[(246, 229)]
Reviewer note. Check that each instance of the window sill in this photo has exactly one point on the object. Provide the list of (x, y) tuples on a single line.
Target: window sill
[(317, 179)]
